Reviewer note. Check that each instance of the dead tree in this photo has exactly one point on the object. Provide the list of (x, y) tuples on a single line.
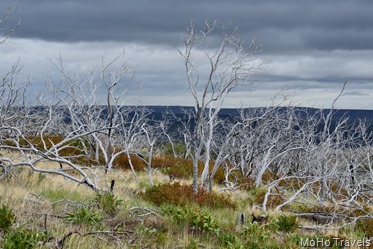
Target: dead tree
[(230, 64)]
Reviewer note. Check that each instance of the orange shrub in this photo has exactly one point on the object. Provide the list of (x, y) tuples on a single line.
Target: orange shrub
[(268, 177), (365, 226), (74, 149), (178, 167), (273, 199), (183, 167), (182, 195), (246, 183), (122, 162)]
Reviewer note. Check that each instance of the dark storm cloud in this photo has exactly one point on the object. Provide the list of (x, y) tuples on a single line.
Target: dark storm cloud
[(281, 26), (310, 47)]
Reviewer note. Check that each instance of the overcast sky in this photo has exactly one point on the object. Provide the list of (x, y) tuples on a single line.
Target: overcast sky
[(310, 48)]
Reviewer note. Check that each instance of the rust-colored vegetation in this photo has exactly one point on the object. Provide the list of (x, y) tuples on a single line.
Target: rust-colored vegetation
[(182, 195)]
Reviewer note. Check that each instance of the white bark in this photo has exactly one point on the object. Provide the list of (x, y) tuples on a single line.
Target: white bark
[(230, 65)]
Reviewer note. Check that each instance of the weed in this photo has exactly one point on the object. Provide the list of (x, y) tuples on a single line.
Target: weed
[(85, 216), (41, 178), (161, 239), (253, 232), (22, 238), (286, 223), (108, 202), (7, 218), (293, 238), (194, 219), (192, 244), (365, 226), (178, 147), (203, 222), (177, 215), (230, 240)]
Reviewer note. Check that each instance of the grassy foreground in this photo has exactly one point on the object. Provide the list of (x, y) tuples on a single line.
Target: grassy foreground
[(47, 211)]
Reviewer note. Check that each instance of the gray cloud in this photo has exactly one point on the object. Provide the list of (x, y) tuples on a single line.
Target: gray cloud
[(310, 46), (279, 25), (355, 93)]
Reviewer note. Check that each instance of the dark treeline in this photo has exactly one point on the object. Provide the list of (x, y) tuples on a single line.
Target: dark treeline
[(158, 112), (177, 114)]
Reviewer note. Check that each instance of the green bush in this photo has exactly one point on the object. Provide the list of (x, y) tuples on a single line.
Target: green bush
[(203, 222), (22, 238), (194, 219), (286, 223), (7, 218), (254, 232), (230, 240), (178, 215), (179, 148)]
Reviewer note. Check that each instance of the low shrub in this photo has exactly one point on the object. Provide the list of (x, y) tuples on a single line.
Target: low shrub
[(365, 226), (255, 235), (177, 167), (246, 183), (183, 167), (286, 223), (203, 222), (359, 211), (22, 238), (178, 147), (85, 216), (7, 218), (108, 202), (122, 162), (192, 244), (178, 194), (177, 215), (73, 148), (258, 195), (230, 240), (197, 221), (268, 177)]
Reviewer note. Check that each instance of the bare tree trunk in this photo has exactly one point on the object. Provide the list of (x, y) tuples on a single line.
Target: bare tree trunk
[(230, 64)]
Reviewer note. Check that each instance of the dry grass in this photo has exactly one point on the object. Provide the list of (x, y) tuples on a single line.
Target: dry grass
[(40, 201)]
